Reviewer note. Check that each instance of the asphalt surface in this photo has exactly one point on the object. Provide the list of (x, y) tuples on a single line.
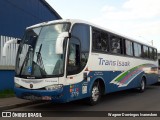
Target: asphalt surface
[(129, 100)]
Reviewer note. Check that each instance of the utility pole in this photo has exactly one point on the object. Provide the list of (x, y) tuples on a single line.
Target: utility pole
[(147, 40), (152, 42)]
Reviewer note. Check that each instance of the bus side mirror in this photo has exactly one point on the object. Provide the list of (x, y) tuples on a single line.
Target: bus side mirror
[(59, 42), (12, 41)]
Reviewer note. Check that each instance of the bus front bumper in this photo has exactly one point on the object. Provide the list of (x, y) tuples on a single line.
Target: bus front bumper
[(51, 95)]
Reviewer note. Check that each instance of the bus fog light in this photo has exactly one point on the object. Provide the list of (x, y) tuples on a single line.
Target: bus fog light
[(17, 85), (54, 87)]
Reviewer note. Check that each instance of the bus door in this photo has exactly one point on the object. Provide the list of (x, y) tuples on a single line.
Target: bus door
[(73, 67)]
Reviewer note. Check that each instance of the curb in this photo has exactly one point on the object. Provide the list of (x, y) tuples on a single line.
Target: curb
[(7, 107)]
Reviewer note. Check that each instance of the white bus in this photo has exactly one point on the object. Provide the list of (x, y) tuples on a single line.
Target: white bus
[(67, 60)]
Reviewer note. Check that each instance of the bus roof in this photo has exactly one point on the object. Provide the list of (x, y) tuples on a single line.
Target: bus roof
[(73, 21)]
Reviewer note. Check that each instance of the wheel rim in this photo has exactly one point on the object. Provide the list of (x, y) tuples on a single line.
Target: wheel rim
[(95, 93), (142, 85)]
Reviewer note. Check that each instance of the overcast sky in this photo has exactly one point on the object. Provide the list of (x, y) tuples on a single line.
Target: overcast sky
[(138, 19)]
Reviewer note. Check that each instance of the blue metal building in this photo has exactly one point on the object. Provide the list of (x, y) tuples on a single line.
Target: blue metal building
[(15, 16)]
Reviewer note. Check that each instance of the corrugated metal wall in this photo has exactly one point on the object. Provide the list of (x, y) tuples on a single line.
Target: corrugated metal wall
[(9, 60), (7, 64)]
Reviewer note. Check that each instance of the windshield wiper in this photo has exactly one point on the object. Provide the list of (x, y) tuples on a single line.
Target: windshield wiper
[(26, 58), (40, 60)]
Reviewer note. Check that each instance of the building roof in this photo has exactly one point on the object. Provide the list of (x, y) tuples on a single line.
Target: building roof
[(50, 8)]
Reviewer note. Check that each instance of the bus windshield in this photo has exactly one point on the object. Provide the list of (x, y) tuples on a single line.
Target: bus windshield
[(36, 55)]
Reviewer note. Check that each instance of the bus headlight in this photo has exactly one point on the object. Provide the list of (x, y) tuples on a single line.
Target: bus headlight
[(17, 85), (54, 87)]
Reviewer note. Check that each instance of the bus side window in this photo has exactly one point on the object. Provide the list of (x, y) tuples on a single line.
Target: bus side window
[(104, 40), (73, 57), (115, 45), (145, 52), (150, 52), (97, 45), (137, 50), (100, 41), (129, 47), (155, 54)]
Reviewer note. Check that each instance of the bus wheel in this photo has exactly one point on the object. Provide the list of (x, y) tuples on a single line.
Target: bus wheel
[(142, 85), (95, 94)]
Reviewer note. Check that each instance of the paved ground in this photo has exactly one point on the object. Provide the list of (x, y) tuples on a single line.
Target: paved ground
[(129, 100), (13, 102), (120, 101)]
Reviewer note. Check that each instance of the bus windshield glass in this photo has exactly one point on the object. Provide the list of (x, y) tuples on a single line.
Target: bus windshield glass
[(36, 55)]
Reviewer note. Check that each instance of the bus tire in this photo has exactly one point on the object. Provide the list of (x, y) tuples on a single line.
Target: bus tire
[(142, 85), (95, 94)]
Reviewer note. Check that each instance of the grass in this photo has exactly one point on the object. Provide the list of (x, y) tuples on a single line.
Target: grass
[(7, 93)]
